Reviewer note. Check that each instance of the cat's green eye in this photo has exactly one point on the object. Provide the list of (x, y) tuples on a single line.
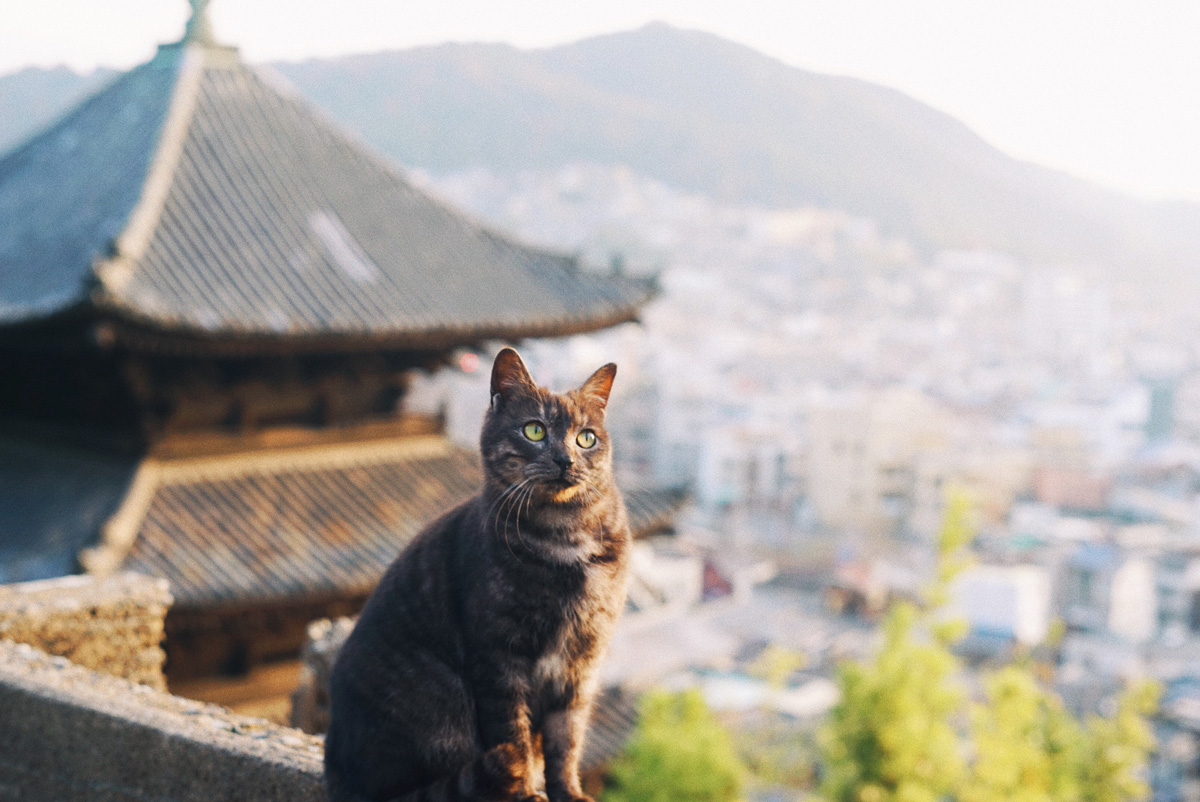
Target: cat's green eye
[(535, 431), (586, 438)]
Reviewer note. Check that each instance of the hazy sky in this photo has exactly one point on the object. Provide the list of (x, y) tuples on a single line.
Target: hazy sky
[(1106, 89)]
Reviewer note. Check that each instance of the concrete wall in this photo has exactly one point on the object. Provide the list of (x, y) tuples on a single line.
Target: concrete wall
[(112, 624), (69, 733)]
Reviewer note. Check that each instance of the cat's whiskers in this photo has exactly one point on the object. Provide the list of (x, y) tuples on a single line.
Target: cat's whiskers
[(528, 503), (512, 504), (524, 493), (505, 499), (500, 497), (515, 506)]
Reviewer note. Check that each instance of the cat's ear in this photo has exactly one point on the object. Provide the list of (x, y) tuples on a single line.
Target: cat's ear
[(600, 383), (509, 375)]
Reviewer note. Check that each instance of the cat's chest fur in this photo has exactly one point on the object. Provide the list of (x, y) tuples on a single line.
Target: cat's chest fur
[(560, 617), (574, 641), (562, 654)]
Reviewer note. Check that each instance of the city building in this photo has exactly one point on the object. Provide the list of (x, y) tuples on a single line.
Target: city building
[(862, 458)]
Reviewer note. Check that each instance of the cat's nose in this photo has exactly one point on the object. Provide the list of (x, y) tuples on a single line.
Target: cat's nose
[(564, 461)]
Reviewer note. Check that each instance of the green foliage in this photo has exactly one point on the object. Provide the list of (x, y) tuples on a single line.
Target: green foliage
[(954, 537), (679, 753), (892, 737), (1118, 747), (777, 753), (1027, 747)]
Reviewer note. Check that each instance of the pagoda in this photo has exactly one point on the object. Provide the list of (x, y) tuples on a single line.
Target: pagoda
[(212, 302)]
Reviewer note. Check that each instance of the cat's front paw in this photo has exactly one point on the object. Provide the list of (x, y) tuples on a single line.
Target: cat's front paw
[(535, 798)]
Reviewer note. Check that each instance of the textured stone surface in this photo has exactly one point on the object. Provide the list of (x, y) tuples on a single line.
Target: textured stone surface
[(310, 701), (69, 733), (112, 624)]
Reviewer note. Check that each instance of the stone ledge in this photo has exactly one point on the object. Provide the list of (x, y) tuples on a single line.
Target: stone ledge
[(112, 624), (70, 733)]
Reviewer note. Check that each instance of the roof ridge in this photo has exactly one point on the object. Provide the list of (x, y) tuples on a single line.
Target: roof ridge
[(314, 457), (114, 271)]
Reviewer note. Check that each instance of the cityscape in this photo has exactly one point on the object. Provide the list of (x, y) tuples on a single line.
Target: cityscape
[(819, 389), (911, 460)]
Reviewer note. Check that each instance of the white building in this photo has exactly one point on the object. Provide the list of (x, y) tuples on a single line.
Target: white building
[(1013, 601), (1107, 590)]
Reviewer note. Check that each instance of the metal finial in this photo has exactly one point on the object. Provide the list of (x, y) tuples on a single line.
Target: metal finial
[(199, 30)]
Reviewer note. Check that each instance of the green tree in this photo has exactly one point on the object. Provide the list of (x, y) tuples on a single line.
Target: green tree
[(775, 665), (1028, 748), (892, 736), (678, 753), (1118, 747)]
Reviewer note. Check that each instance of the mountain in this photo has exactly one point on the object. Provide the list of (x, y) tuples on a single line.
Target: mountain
[(704, 114)]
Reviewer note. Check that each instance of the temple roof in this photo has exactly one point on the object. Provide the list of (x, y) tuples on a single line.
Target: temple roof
[(198, 197), (243, 528), (324, 522)]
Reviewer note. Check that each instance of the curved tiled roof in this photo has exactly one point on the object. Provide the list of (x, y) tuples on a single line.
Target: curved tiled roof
[(198, 196), (294, 523), (328, 521)]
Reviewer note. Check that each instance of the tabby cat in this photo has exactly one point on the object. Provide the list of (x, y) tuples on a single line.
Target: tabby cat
[(471, 673)]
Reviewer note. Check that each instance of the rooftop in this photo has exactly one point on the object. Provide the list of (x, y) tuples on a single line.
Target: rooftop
[(199, 203), (273, 525)]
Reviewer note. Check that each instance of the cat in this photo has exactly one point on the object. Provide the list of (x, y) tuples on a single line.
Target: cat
[(473, 667)]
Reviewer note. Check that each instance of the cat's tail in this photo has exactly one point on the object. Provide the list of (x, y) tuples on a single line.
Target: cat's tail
[(494, 776)]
